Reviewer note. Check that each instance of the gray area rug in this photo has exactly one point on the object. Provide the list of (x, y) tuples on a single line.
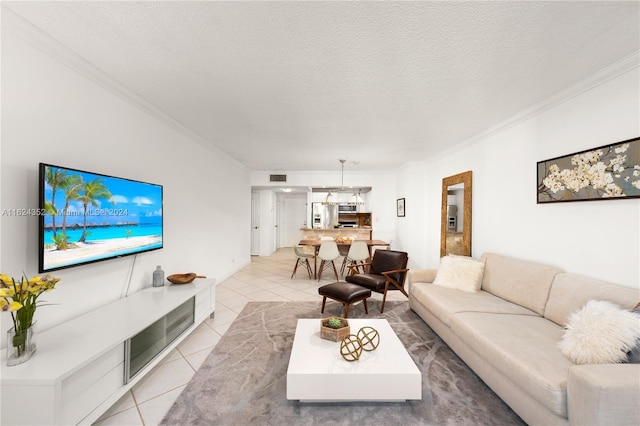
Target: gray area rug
[(243, 381)]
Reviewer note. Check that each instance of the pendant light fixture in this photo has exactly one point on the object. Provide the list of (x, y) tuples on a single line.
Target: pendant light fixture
[(356, 198), (342, 173)]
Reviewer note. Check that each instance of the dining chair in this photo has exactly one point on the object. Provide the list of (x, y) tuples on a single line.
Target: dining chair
[(328, 253), (357, 254), (302, 257), (386, 271)]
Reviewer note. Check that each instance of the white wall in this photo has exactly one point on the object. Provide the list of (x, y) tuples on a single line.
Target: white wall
[(422, 204), (599, 239), (52, 114)]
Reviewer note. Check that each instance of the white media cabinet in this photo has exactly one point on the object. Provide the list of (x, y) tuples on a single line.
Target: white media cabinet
[(78, 369)]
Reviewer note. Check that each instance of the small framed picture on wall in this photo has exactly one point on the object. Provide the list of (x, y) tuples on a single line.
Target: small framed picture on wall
[(400, 207)]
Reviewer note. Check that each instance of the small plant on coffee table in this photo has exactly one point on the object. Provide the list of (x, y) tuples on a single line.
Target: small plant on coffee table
[(334, 322), (334, 328)]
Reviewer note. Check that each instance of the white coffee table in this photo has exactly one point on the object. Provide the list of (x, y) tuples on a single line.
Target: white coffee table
[(318, 373)]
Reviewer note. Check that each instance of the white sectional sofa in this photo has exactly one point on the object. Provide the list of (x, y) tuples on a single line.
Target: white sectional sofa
[(508, 333)]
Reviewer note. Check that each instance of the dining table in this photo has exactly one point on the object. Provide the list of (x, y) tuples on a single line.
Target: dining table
[(340, 243)]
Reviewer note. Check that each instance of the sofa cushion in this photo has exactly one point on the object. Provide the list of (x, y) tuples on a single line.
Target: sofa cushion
[(518, 281), (569, 292), (600, 333), (445, 302), (460, 273), (523, 348)]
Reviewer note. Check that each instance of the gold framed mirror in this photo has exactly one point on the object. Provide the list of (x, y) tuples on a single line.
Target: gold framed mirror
[(455, 227)]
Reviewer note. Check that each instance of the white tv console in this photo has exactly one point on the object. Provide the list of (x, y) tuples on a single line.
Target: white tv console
[(78, 369)]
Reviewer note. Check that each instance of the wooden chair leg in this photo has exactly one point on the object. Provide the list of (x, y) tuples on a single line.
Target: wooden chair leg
[(346, 310), (308, 267), (321, 269), (366, 309), (324, 300), (384, 297), (335, 270), (295, 268)]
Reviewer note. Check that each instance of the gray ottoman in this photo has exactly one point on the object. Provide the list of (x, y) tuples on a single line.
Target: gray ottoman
[(345, 293)]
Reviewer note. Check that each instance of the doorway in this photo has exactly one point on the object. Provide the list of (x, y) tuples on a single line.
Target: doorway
[(255, 224)]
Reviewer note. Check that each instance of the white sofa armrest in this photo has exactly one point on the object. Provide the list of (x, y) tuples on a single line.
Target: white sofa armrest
[(604, 394), (421, 276)]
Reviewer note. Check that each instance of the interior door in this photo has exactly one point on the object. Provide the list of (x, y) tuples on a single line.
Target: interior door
[(280, 204), (294, 217), (255, 224)]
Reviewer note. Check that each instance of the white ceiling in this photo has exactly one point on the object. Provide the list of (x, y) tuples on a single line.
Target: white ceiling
[(285, 86)]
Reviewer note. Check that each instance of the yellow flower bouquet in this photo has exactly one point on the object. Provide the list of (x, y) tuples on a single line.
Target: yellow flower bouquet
[(20, 298)]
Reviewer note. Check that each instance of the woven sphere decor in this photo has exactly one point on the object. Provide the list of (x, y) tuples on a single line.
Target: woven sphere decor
[(351, 348), (369, 338)]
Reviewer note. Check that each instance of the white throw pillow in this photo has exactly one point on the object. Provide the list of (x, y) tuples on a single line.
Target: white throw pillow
[(460, 273), (600, 332), (634, 353)]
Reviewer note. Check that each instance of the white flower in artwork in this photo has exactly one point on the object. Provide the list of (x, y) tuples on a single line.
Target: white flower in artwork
[(622, 148), (617, 163), (612, 190)]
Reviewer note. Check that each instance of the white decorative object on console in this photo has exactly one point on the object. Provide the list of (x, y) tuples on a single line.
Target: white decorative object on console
[(78, 371)]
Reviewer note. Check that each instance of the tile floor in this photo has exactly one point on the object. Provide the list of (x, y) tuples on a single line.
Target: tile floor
[(264, 279)]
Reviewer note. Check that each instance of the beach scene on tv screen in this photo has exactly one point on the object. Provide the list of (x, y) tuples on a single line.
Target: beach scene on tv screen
[(90, 217)]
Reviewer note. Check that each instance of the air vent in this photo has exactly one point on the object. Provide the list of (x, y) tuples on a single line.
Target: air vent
[(277, 178)]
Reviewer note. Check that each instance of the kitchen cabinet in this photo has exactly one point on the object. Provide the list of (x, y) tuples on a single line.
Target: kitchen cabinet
[(361, 220)]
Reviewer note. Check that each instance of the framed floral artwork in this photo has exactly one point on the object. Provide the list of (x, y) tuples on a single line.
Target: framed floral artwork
[(604, 173), (400, 207)]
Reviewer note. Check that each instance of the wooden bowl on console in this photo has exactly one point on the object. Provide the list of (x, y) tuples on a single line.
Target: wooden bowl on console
[(183, 278)]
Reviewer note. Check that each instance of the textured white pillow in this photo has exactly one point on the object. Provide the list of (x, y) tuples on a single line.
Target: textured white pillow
[(460, 273), (600, 333)]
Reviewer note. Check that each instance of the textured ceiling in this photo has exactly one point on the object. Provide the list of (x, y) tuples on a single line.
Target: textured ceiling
[(298, 85)]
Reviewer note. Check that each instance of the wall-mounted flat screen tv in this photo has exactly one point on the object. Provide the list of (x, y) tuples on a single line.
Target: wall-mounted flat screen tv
[(88, 217)]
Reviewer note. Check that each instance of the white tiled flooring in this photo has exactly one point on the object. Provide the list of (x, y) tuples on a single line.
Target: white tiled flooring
[(265, 279)]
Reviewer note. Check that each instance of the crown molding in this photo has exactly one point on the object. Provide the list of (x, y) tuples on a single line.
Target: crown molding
[(32, 35), (616, 69)]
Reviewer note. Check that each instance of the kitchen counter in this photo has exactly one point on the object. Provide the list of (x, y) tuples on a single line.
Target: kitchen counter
[(361, 233)]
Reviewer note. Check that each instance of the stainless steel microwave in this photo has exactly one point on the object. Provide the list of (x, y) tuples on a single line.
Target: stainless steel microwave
[(347, 208)]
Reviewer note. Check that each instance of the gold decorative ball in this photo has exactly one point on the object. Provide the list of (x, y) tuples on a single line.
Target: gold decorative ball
[(351, 348), (369, 338)]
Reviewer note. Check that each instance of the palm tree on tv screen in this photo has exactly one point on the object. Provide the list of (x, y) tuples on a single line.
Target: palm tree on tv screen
[(55, 178), (72, 187), (92, 192)]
